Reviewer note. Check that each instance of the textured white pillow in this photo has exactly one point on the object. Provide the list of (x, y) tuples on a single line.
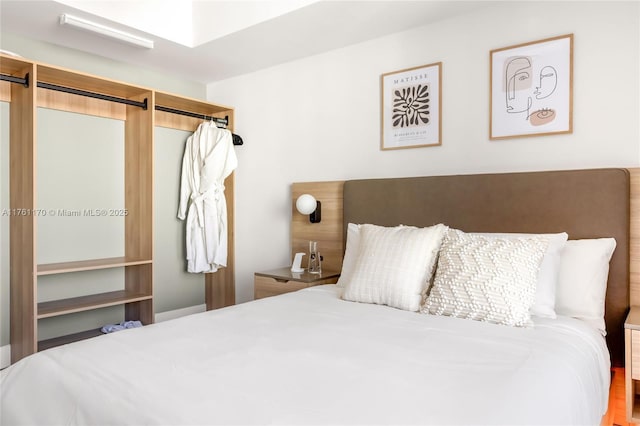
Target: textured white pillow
[(486, 278), (350, 254), (582, 280), (394, 265), (544, 305)]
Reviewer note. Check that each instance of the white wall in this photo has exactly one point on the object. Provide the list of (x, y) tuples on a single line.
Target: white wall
[(318, 118), (77, 60)]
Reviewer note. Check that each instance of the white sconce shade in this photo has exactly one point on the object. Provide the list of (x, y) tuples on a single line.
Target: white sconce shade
[(307, 204)]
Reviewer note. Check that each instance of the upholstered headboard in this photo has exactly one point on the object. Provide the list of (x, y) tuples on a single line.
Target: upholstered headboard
[(583, 203)]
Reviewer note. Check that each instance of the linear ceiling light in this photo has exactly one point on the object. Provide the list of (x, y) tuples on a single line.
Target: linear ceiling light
[(74, 21)]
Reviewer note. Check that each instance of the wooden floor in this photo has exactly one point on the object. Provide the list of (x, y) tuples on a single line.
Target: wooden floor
[(616, 415)]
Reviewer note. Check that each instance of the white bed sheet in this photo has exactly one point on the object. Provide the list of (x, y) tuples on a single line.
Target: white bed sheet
[(310, 358)]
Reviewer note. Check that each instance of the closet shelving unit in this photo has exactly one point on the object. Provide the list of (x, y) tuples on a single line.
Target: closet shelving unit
[(58, 88)]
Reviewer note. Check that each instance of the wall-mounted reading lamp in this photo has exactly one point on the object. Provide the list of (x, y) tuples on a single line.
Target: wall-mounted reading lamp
[(307, 204)]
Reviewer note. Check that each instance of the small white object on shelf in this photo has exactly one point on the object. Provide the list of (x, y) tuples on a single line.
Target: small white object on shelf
[(297, 262)]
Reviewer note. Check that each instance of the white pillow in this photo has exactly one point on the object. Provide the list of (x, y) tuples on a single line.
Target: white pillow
[(350, 254), (544, 305), (486, 278), (394, 265), (582, 280)]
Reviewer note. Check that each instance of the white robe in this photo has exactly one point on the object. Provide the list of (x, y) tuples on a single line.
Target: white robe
[(209, 157)]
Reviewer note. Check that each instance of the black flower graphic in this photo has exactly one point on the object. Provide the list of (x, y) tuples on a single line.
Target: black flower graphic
[(411, 106)]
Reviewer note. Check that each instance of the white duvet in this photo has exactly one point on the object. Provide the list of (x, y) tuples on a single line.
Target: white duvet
[(310, 358)]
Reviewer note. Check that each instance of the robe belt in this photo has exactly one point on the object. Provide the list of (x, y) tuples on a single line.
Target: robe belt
[(213, 192)]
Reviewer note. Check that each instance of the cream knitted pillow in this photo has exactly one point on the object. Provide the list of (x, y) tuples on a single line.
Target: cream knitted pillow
[(394, 265), (486, 278)]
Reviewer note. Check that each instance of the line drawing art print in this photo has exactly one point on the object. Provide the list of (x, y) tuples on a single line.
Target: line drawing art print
[(411, 103), (531, 88)]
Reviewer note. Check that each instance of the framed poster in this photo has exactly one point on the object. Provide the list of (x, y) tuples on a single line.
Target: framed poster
[(411, 107), (532, 89)]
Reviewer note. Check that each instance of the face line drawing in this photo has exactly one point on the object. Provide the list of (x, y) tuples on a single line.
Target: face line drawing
[(548, 77), (517, 70)]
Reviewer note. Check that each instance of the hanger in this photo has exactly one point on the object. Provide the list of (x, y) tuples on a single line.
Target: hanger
[(237, 140)]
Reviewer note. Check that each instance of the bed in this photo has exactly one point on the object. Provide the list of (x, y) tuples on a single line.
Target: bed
[(312, 357)]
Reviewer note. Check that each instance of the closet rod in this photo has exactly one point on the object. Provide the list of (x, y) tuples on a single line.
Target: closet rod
[(237, 140), (88, 94), (25, 82), (224, 121), (12, 79)]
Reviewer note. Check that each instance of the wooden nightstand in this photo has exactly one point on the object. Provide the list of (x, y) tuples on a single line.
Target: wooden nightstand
[(282, 280), (632, 364)]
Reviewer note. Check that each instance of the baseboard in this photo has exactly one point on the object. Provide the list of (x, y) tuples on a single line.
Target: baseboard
[(5, 356), (177, 313)]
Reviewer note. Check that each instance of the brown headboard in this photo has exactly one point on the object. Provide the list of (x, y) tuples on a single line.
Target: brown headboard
[(583, 203)]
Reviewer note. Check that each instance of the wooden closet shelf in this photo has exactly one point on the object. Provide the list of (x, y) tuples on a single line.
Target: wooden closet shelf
[(69, 338), (79, 80), (88, 265), (13, 65), (189, 104), (85, 303)]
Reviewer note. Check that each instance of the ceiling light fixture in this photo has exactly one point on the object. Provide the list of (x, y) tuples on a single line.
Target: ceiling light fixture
[(74, 21)]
